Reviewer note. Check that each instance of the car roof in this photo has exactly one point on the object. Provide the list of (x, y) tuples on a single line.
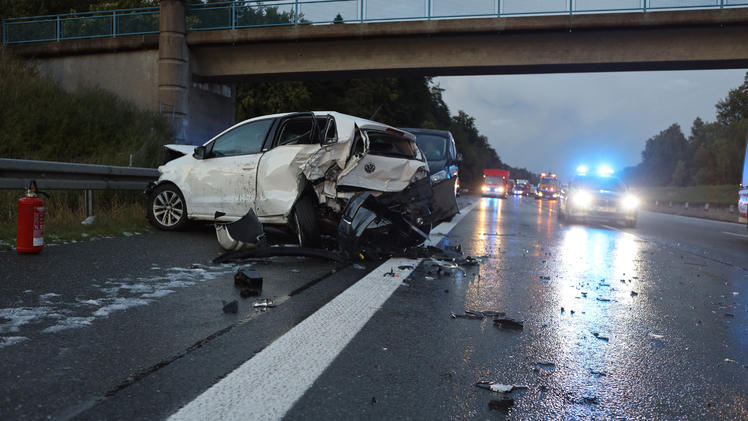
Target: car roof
[(445, 133), (345, 124)]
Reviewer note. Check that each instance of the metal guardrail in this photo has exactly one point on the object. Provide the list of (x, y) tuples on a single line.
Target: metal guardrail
[(266, 13), (16, 174)]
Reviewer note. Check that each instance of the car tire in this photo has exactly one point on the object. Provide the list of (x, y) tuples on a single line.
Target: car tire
[(306, 226), (167, 209)]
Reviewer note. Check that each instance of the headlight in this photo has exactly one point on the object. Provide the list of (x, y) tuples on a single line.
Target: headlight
[(500, 190), (630, 202), (582, 199), (440, 176), (540, 193), (420, 174), (485, 188)]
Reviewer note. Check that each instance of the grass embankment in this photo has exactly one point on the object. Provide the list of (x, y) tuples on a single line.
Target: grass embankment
[(42, 121), (722, 195), (117, 214)]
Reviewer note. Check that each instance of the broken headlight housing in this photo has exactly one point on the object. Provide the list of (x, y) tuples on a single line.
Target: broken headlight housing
[(439, 177), (419, 175)]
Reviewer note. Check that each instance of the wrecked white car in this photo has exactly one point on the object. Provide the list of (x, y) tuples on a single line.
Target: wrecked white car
[(306, 173)]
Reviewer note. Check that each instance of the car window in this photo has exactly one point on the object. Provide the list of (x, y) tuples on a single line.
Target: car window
[(548, 181), (433, 147), (390, 144), (492, 179), (245, 139), (297, 131)]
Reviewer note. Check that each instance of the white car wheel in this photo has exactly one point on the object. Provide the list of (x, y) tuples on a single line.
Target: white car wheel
[(167, 210)]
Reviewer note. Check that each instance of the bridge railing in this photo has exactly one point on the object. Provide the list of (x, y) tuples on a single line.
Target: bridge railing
[(264, 13), (111, 23)]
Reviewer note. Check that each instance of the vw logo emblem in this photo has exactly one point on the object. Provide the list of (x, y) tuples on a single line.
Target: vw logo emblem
[(370, 167)]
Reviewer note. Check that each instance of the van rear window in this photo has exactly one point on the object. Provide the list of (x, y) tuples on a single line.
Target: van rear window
[(389, 144)]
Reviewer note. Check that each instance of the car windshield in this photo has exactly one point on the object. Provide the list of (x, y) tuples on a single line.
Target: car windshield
[(494, 180), (549, 181), (599, 183), (433, 147)]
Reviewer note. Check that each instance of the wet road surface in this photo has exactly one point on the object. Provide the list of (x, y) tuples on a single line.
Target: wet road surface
[(645, 323)]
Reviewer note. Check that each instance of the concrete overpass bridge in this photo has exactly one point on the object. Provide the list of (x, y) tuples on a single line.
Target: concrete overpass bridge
[(188, 65)]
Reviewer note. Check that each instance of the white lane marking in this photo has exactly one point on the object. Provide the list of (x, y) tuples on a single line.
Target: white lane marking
[(735, 234), (445, 227), (268, 385)]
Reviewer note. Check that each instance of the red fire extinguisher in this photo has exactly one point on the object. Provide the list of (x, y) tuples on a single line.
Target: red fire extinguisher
[(30, 233)]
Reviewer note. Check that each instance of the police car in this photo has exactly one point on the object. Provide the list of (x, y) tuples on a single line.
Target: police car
[(598, 197)]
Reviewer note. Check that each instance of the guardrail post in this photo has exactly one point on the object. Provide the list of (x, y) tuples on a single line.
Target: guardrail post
[(362, 11), (114, 23), (644, 5), (88, 195), (498, 8), (721, 4), (57, 28), (233, 15), (296, 13), (428, 10), (571, 6)]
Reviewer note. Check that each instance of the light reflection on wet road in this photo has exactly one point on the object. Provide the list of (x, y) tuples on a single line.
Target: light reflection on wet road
[(629, 328)]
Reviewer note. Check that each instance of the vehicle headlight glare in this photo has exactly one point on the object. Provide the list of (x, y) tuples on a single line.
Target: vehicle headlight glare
[(485, 188), (501, 190), (630, 202), (582, 199)]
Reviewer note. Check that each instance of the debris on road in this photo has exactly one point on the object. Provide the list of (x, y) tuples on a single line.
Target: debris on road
[(500, 404), (358, 267), (545, 366), (468, 315), (508, 324), (601, 337), (655, 336), (266, 303), (232, 307), (391, 273), (499, 388), (634, 293), (406, 267), (604, 300), (491, 313), (544, 278), (598, 373)]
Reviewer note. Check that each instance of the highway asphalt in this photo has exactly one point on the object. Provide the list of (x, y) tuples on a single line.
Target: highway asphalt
[(643, 323)]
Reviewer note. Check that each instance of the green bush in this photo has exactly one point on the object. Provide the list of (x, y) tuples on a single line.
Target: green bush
[(42, 121), (725, 194)]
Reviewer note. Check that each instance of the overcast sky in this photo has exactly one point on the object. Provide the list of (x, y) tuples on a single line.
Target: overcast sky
[(558, 121)]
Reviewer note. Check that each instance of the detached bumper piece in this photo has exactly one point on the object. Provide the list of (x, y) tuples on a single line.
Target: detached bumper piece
[(388, 223), (246, 232)]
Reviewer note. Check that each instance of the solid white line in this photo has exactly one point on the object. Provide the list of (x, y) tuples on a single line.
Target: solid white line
[(735, 234), (267, 386)]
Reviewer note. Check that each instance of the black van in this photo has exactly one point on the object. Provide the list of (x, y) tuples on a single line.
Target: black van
[(439, 148)]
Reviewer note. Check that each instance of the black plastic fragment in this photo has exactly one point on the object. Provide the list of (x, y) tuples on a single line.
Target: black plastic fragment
[(508, 324), (261, 252), (500, 404), (232, 307)]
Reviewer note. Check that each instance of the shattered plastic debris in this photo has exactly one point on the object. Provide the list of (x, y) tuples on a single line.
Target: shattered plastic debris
[(598, 373), (249, 282), (231, 307), (508, 324), (358, 267), (476, 315), (406, 267), (545, 366), (655, 336), (601, 337), (266, 303), (727, 360), (604, 300), (634, 293), (391, 273), (495, 387), (500, 404), (544, 278)]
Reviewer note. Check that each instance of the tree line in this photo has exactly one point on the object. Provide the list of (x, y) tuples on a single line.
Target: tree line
[(712, 154)]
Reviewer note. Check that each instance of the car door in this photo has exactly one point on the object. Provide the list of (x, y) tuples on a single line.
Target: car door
[(279, 181), (226, 179)]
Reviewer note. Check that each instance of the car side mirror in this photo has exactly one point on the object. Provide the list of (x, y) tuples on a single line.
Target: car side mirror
[(459, 158), (199, 152)]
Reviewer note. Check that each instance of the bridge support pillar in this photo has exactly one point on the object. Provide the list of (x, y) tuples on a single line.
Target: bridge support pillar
[(174, 67)]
